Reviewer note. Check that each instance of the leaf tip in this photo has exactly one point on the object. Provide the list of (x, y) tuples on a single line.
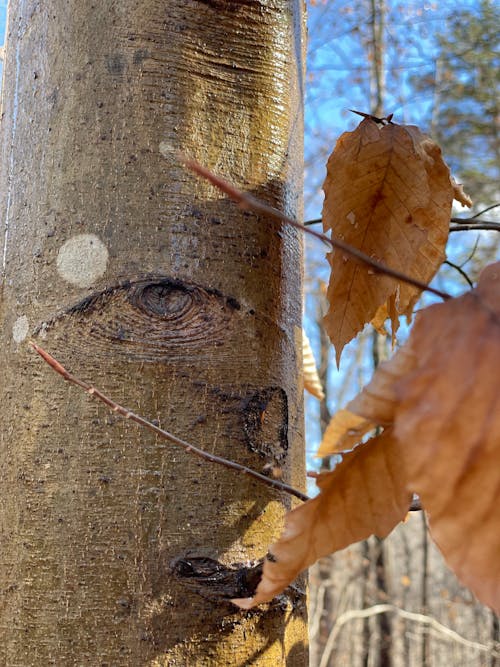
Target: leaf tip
[(244, 603)]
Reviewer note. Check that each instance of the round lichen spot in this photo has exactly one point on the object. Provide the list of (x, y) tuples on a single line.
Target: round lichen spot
[(82, 260), (20, 329), (166, 149)]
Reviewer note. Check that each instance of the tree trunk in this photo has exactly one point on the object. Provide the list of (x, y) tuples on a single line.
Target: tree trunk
[(154, 287)]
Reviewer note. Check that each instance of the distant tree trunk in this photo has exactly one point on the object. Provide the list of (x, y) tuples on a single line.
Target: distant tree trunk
[(151, 285)]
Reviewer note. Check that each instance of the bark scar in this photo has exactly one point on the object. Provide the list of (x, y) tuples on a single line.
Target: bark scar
[(212, 579), (265, 423), (153, 319)]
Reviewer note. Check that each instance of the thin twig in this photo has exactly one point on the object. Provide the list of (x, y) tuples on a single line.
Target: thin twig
[(475, 227), (462, 226), (250, 203), (188, 447), (439, 628), (471, 254), (460, 271), (485, 210), (474, 221)]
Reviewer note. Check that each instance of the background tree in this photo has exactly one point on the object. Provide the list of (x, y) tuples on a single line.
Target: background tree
[(150, 284), (463, 85)]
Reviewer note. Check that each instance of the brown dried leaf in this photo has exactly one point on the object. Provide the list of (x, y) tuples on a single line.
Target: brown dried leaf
[(344, 431), (364, 495), (448, 417), (374, 406), (440, 401), (459, 194), (312, 383), (389, 194), (385, 312), (441, 392)]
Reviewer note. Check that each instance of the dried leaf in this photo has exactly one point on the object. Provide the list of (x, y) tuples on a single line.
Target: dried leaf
[(448, 418), (312, 383), (442, 395), (440, 402), (459, 194), (374, 406), (389, 194), (344, 431), (364, 494), (385, 312)]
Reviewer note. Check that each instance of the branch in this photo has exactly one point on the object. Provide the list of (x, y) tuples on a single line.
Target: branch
[(460, 271), (464, 224), (128, 414), (475, 226), (249, 203), (441, 629), (485, 210)]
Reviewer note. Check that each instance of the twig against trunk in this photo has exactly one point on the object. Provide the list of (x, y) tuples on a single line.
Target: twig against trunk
[(250, 203), (188, 447)]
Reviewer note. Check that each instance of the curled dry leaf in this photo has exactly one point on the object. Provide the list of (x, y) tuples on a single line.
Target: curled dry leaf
[(459, 194), (441, 393), (374, 406), (364, 495), (344, 431), (448, 420), (312, 383), (388, 193), (439, 401)]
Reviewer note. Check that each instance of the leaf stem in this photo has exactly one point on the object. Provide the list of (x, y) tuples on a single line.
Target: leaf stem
[(188, 447)]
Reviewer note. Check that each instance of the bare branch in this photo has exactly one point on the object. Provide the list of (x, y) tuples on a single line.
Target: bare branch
[(439, 628), (475, 226), (460, 271), (485, 210), (188, 447), (250, 203), (464, 224)]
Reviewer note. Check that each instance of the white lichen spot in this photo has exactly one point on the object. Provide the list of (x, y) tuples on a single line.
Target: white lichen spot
[(82, 260), (20, 329), (166, 149), (351, 217)]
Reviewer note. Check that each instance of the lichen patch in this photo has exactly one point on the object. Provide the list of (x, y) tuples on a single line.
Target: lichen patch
[(82, 260), (20, 329)]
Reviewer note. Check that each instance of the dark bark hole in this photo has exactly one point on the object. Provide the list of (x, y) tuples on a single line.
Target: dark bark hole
[(164, 299), (153, 319), (212, 579), (265, 423)]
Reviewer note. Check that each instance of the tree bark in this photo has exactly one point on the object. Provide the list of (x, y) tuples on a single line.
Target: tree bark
[(149, 284)]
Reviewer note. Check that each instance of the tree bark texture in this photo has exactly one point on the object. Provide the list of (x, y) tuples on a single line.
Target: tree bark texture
[(150, 284)]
